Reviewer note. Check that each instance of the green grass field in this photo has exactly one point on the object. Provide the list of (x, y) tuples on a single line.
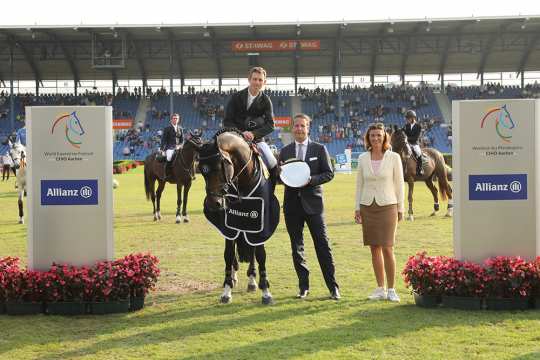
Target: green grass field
[(183, 319)]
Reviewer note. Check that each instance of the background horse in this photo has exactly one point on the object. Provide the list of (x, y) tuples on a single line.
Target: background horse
[(228, 161), (435, 168), (154, 170), (17, 152)]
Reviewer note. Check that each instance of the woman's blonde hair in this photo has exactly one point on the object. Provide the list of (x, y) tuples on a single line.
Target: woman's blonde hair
[(386, 140)]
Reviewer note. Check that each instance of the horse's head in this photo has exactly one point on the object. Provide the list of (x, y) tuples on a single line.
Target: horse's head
[(17, 152), (399, 143), (74, 124), (222, 162), (217, 169)]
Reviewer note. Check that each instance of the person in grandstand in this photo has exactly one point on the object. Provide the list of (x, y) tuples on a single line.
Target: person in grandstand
[(413, 130), (250, 111)]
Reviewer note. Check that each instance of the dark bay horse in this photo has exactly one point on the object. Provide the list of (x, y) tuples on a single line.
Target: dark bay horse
[(154, 170), (229, 161), (435, 168)]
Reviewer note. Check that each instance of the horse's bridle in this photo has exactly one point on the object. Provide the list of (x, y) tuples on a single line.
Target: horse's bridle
[(228, 182)]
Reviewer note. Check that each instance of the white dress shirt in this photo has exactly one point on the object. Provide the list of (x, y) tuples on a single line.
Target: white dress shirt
[(250, 99), (304, 148)]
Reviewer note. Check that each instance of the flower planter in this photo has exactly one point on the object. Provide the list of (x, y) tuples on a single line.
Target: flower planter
[(109, 307), (66, 308), (136, 303), (2, 308), (427, 301), (517, 303), (462, 302), (24, 308)]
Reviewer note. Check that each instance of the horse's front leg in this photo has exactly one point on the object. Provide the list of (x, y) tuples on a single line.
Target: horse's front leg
[(184, 207), (21, 208), (433, 189), (178, 202), (410, 199), (264, 285), (252, 275), (228, 283)]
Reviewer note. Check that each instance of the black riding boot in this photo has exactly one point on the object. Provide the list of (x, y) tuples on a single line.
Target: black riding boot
[(419, 167)]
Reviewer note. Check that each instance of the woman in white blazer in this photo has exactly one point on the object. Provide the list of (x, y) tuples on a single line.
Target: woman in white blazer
[(379, 206)]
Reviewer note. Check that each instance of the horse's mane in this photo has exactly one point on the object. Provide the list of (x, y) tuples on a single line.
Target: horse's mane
[(231, 129)]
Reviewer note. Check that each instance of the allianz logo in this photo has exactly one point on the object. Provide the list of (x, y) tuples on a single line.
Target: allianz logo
[(252, 214), (514, 186), (84, 192)]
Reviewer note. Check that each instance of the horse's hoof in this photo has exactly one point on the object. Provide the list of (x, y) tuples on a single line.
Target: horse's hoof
[(178, 220), (252, 288), (267, 300), (433, 214), (410, 218), (225, 299), (448, 215), (186, 219), (21, 221)]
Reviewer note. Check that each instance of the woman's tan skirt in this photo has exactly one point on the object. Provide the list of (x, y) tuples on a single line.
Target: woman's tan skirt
[(379, 224)]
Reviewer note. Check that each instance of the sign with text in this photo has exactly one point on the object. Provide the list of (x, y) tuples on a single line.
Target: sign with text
[(69, 185), (282, 121), (496, 159), (122, 124), (275, 45)]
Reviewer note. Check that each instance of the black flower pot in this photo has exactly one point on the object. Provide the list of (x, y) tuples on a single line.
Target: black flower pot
[(427, 301), (462, 302), (2, 307), (136, 303), (66, 308), (517, 303), (23, 308), (109, 307)]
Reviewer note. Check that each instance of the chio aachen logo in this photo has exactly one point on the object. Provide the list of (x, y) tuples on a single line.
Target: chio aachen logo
[(72, 129), (502, 120)]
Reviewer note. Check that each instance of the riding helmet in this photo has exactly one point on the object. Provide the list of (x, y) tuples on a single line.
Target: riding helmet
[(410, 114)]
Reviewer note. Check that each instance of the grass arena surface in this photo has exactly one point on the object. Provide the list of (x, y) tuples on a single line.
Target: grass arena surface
[(184, 320)]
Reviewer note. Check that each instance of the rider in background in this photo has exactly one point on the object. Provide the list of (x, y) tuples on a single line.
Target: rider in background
[(172, 139), (413, 130)]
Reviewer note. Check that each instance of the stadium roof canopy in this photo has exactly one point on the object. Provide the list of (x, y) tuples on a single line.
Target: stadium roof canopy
[(369, 48)]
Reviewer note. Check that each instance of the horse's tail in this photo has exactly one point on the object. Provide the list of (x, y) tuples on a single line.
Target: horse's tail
[(146, 179), (441, 172), (244, 250)]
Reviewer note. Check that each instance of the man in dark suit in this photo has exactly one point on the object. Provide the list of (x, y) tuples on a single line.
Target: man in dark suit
[(250, 111), (305, 205), (172, 139), (413, 130)]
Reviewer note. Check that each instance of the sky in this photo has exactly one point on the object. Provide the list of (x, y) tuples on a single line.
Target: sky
[(153, 12)]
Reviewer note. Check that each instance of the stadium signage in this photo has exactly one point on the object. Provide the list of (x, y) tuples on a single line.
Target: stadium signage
[(275, 45), (69, 192), (282, 121), (69, 185), (498, 187), (496, 162), (122, 124)]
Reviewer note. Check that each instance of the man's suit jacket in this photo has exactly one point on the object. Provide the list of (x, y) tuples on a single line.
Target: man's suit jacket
[(412, 133), (321, 172), (237, 114), (170, 139)]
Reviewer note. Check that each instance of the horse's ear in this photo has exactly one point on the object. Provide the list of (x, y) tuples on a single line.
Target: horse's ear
[(226, 156)]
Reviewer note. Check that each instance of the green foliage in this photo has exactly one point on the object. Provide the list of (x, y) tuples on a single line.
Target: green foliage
[(183, 319)]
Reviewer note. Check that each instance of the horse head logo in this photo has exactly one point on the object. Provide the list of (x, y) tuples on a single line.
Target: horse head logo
[(73, 128), (504, 124)]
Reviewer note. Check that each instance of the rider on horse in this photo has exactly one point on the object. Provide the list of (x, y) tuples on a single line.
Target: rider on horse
[(171, 140), (413, 130), (250, 111)]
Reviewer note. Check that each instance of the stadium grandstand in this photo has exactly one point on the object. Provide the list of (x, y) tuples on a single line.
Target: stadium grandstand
[(343, 74)]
